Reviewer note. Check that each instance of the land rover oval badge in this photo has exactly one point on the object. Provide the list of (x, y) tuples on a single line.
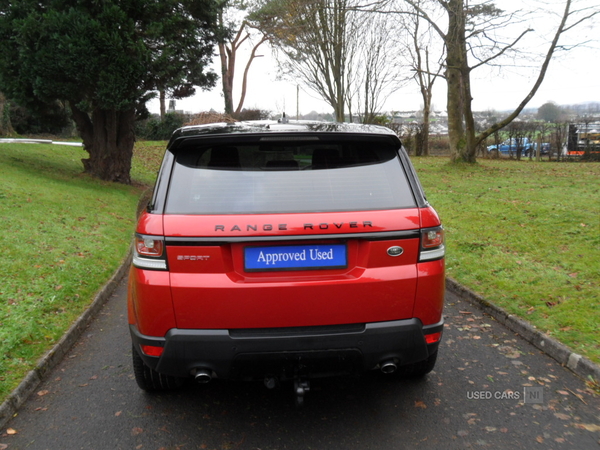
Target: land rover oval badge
[(395, 251)]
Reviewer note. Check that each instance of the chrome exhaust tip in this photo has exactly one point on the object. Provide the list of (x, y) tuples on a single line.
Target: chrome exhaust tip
[(388, 366), (202, 376)]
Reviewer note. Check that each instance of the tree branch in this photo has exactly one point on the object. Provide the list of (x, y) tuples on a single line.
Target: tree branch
[(498, 126), (504, 50)]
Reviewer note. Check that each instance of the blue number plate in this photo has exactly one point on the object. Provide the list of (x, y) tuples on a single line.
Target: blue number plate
[(296, 257)]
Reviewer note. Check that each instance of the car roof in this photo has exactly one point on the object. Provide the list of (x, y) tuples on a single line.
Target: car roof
[(281, 126)]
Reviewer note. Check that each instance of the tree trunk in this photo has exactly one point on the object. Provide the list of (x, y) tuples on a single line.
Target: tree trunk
[(245, 77), (470, 152), (426, 121), (6, 128), (108, 137), (455, 76), (419, 139), (162, 99), (227, 73)]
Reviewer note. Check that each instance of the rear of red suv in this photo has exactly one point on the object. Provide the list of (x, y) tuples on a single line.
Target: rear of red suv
[(285, 251)]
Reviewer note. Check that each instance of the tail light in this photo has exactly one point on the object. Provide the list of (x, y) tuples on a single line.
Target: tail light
[(432, 244), (149, 252)]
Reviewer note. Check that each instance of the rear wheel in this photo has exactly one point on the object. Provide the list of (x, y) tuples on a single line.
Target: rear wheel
[(149, 379), (419, 369)]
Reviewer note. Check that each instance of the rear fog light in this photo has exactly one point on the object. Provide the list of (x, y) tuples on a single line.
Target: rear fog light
[(433, 337), (151, 350)]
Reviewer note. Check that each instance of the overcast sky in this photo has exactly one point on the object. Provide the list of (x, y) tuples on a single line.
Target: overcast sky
[(573, 77)]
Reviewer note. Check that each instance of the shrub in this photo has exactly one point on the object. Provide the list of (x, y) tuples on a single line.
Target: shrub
[(155, 129), (38, 118)]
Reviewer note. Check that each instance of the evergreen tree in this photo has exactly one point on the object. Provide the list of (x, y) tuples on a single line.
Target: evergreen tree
[(102, 58)]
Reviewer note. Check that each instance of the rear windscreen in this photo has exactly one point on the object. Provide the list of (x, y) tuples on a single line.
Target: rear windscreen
[(287, 178)]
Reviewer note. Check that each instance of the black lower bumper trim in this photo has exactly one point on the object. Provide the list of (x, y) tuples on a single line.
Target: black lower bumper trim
[(320, 351)]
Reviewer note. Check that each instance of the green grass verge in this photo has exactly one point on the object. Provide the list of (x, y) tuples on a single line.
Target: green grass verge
[(63, 235), (526, 236), (147, 156)]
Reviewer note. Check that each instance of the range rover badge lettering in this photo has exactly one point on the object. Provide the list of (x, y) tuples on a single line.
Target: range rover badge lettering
[(395, 251)]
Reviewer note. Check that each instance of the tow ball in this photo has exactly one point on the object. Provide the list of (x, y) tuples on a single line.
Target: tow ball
[(301, 387)]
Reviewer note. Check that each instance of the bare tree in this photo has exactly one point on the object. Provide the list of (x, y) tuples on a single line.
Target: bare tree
[(470, 36), (312, 35), (518, 132), (419, 44), (559, 139), (339, 50), (378, 70), (230, 43)]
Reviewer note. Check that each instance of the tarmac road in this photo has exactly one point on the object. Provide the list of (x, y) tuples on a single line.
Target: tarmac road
[(490, 389)]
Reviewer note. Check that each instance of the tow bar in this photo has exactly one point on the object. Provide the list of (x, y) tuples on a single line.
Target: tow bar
[(301, 387)]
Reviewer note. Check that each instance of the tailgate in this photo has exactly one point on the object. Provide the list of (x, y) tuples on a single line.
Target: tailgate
[(292, 270)]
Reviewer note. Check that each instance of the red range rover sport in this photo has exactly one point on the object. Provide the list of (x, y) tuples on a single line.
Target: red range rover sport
[(285, 251)]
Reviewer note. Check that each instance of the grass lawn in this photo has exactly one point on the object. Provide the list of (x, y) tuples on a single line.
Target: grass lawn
[(526, 236), (63, 235)]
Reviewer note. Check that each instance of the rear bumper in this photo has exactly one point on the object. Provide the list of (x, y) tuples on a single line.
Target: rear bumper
[(288, 352)]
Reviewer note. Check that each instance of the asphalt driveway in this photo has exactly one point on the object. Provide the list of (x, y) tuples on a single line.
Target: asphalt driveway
[(490, 389)]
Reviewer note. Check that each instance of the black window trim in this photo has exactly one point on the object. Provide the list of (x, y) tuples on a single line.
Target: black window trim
[(219, 240)]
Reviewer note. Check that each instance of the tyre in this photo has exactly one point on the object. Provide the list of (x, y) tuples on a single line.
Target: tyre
[(149, 379), (419, 369)]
